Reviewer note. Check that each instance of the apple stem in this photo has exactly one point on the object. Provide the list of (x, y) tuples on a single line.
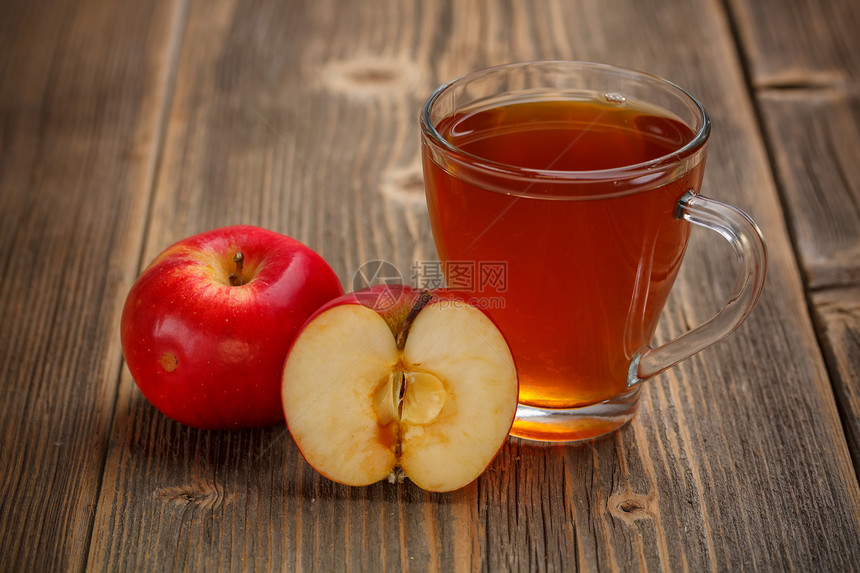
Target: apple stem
[(236, 279), (423, 299)]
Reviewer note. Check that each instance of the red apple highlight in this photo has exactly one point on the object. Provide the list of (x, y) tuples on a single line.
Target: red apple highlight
[(392, 377), (207, 325)]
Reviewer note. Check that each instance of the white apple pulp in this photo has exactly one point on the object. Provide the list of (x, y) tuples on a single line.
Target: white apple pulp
[(357, 406)]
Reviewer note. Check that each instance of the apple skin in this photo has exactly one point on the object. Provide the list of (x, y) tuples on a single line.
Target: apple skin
[(209, 354), (392, 302)]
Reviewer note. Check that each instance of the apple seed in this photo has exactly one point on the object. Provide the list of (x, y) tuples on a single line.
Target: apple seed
[(424, 399), (411, 397)]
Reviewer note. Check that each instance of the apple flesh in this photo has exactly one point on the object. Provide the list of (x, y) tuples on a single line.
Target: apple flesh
[(428, 385), (207, 325)]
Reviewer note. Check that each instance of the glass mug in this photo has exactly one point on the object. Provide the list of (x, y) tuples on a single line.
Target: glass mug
[(568, 190)]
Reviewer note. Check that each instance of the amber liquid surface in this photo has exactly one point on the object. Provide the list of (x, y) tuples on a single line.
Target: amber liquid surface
[(585, 278)]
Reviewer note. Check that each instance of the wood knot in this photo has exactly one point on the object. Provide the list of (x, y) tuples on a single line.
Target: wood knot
[(369, 76), (199, 494), (366, 76), (192, 496), (631, 506), (404, 185)]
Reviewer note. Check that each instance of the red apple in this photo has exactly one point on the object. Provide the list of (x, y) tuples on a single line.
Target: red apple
[(391, 377), (207, 325)]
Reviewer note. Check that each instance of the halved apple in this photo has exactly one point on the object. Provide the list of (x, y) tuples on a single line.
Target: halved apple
[(390, 377)]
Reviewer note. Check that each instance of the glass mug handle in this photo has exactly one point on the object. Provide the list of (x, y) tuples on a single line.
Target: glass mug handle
[(746, 239)]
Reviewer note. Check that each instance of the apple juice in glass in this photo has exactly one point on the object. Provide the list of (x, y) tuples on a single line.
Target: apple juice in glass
[(582, 180)]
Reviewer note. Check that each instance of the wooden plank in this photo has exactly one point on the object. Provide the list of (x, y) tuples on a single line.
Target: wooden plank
[(838, 318), (799, 43), (814, 137), (82, 87), (301, 117), (693, 482), (803, 57), (262, 131)]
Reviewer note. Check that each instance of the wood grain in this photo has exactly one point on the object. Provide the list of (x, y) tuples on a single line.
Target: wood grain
[(127, 126), (812, 136), (301, 117), (82, 89), (279, 120), (838, 317), (806, 76), (799, 44)]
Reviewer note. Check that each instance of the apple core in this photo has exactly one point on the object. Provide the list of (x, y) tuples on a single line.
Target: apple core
[(424, 399), (410, 397)]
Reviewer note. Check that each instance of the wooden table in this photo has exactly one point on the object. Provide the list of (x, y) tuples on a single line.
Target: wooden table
[(125, 126)]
